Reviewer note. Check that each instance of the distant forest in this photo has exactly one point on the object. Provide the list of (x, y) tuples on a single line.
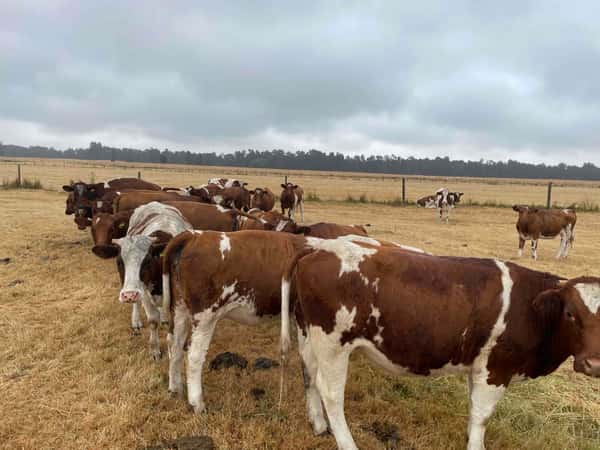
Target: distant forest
[(317, 160)]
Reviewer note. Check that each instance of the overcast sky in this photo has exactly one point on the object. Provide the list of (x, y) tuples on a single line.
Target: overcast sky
[(469, 79)]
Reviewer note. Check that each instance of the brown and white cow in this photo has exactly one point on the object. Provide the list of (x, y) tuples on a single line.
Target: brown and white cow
[(419, 314), (292, 198), (221, 275), (89, 197), (227, 183), (534, 223), (446, 200), (229, 197), (130, 200), (262, 198)]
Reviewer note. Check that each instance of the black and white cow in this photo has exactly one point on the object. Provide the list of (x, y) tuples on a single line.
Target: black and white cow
[(445, 200)]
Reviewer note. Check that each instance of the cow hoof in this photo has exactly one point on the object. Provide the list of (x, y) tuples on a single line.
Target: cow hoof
[(176, 393), (325, 432), (136, 331), (156, 355), (164, 323), (196, 409)]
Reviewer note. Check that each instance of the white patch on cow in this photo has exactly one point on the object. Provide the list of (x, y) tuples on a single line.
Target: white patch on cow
[(364, 279), (218, 199), (224, 245), (106, 185), (376, 314), (375, 285), (411, 249), (281, 225), (349, 253), (590, 295), (99, 204), (237, 306), (221, 208), (362, 239), (484, 396), (97, 220)]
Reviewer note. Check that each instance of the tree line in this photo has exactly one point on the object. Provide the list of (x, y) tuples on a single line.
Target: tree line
[(317, 160)]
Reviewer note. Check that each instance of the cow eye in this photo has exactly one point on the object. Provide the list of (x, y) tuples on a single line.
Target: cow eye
[(570, 316)]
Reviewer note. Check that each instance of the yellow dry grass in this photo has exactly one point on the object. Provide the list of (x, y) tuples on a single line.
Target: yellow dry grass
[(326, 185), (73, 376)]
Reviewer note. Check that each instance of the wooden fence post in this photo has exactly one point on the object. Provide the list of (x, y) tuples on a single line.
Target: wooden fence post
[(403, 190), (18, 175), (549, 199), (139, 175), (285, 182)]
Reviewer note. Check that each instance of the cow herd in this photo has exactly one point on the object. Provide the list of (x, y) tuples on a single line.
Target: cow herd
[(191, 259)]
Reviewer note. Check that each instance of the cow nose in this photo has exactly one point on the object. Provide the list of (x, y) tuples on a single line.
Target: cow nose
[(591, 367), (129, 296)]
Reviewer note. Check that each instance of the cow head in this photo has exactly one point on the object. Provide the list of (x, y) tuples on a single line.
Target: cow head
[(570, 315), (275, 221), (520, 208), (82, 219), (140, 257), (105, 228), (456, 196)]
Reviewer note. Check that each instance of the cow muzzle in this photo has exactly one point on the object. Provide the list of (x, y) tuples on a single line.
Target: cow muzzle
[(106, 251), (588, 366), (129, 296)]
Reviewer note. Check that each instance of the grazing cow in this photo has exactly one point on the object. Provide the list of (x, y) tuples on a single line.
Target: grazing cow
[(426, 315), (445, 200), (427, 202), (292, 198), (262, 198), (208, 276), (534, 223)]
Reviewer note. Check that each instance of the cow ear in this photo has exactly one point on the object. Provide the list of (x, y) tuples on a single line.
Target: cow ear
[(160, 239), (548, 306), (67, 188), (295, 186), (252, 192), (283, 186), (516, 208)]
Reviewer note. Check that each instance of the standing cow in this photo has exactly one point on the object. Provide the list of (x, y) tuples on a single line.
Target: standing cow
[(534, 223), (425, 315), (292, 198), (444, 201)]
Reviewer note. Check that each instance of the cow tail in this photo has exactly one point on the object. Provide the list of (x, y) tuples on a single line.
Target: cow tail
[(286, 284), (170, 258)]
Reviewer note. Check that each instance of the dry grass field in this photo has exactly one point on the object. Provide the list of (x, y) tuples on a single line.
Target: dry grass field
[(72, 376)]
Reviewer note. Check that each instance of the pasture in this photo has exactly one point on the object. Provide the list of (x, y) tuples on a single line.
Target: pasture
[(73, 376)]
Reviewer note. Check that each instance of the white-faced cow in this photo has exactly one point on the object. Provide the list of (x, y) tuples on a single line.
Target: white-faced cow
[(445, 200), (150, 228), (419, 314), (292, 198), (222, 275), (534, 224)]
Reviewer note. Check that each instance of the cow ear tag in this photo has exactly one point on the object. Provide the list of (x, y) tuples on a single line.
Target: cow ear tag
[(121, 225)]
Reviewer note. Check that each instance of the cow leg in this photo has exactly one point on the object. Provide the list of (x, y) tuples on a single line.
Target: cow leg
[(563, 244), (136, 320), (158, 302), (301, 205), (534, 245), (332, 372), (177, 340), (484, 398), (153, 323), (569, 237), (521, 245), (202, 332), (314, 406)]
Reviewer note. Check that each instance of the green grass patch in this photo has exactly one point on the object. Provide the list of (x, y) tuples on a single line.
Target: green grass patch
[(25, 183)]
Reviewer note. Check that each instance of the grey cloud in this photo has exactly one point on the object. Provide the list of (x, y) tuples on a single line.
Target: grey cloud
[(492, 78)]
